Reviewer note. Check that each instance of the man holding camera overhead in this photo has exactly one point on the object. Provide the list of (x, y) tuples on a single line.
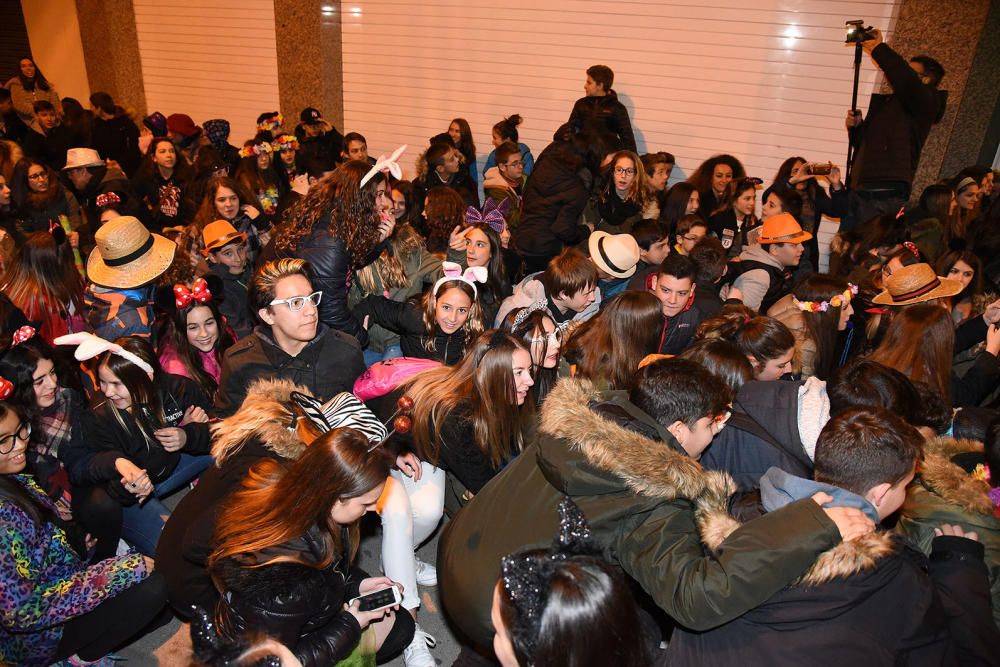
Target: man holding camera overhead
[(888, 142)]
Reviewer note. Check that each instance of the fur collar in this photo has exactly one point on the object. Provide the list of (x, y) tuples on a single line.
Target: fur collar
[(649, 467), (949, 480), (265, 415)]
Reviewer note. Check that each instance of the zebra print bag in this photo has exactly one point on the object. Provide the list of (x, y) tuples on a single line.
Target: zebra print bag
[(344, 409)]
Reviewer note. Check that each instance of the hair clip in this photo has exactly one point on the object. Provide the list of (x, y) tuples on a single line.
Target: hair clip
[(383, 163), (453, 271), (200, 293), (23, 334), (89, 346), (901, 212)]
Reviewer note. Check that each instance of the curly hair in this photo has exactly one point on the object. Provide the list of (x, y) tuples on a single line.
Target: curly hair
[(445, 210), (339, 202)]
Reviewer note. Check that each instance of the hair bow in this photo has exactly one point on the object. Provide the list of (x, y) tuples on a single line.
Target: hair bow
[(453, 271), (183, 296), (6, 388), (108, 199), (493, 214), (383, 163), (23, 334), (89, 346)]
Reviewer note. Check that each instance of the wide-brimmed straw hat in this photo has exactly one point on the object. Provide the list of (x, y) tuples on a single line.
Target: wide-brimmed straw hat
[(615, 254), (782, 228), (916, 283), (127, 255)]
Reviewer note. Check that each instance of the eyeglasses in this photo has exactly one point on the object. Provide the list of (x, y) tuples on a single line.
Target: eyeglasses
[(514, 164), (625, 171), (39, 176), (23, 432), (297, 303), (691, 237), (550, 338)]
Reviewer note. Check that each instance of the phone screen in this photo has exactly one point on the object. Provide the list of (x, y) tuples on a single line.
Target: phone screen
[(378, 599)]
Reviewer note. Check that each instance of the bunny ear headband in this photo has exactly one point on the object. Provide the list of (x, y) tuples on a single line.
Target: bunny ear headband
[(453, 271), (383, 163), (89, 346)]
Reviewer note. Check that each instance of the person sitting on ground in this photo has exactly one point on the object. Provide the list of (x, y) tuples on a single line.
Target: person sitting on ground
[(629, 461), (865, 458), (653, 238), (504, 131), (673, 285), (765, 268), (658, 167), (290, 342), (568, 286), (226, 252), (505, 181), (709, 259), (616, 257)]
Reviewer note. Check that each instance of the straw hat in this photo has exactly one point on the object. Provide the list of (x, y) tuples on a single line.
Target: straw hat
[(615, 254), (82, 157), (916, 283), (127, 255), (782, 228)]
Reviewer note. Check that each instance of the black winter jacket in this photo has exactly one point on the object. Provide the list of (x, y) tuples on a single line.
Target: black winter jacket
[(554, 199), (866, 602), (605, 115), (118, 139), (327, 365), (298, 605), (235, 298), (891, 137), (763, 432), (107, 439), (406, 319), (679, 330)]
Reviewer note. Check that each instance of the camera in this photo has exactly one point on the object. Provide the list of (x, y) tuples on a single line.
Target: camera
[(823, 169), (857, 33)]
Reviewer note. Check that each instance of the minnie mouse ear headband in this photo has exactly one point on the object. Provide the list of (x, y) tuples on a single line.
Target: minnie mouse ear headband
[(22, 334), (202, 291), (526, 576), (493, 214), (453, 271), (89, 346), (389, 164)]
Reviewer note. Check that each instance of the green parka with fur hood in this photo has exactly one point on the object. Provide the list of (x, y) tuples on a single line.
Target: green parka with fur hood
[(644, 500)]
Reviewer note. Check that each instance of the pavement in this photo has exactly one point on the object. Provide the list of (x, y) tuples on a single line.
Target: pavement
[(170, 645)]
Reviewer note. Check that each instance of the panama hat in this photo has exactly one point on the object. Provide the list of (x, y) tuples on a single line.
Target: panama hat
[(916, 283), (82, 157), (615, 254), (127, 255), (782, 228)]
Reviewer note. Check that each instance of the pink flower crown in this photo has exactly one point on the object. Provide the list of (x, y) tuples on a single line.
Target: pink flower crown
[(836, 301), (285, 142)]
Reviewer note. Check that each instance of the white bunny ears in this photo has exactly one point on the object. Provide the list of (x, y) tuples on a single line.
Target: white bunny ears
[(390, 164), (89, 346), (453, 271)]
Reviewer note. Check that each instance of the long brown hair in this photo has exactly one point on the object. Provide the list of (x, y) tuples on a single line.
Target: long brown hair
[(43, 282), (822, 327), (473, 325), (763, 338), (276, 504), (146, 407), (920, 343), (389, 270), (485, 379), (445, 210), (638, 192), (611, 345), (340, 202), (206, 210)]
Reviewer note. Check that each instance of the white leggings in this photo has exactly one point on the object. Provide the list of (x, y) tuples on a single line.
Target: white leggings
[(410, 512)]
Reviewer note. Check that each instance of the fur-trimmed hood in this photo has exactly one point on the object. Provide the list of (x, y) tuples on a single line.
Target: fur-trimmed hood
[(657, 469), (266, 415), (649, 467), (949, 481)]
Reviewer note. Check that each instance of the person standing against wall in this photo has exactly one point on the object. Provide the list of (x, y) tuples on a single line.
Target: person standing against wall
[(600, 109)]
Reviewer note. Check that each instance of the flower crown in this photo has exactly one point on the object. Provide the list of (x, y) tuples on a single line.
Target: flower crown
[(271, 123), (257, 149), (836, 301), (285, 142)]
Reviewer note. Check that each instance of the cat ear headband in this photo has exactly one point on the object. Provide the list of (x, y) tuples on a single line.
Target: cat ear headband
[(89, 346), (383, 163), (471, 276)]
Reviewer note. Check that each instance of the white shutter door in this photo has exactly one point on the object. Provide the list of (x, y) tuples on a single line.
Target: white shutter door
[(209, 59), (762, 80)]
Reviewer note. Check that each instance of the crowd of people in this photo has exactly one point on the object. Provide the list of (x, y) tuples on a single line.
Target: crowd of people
[(654, 432)]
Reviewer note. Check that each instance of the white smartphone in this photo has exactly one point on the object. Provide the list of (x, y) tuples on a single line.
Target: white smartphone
[(380, 599)]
